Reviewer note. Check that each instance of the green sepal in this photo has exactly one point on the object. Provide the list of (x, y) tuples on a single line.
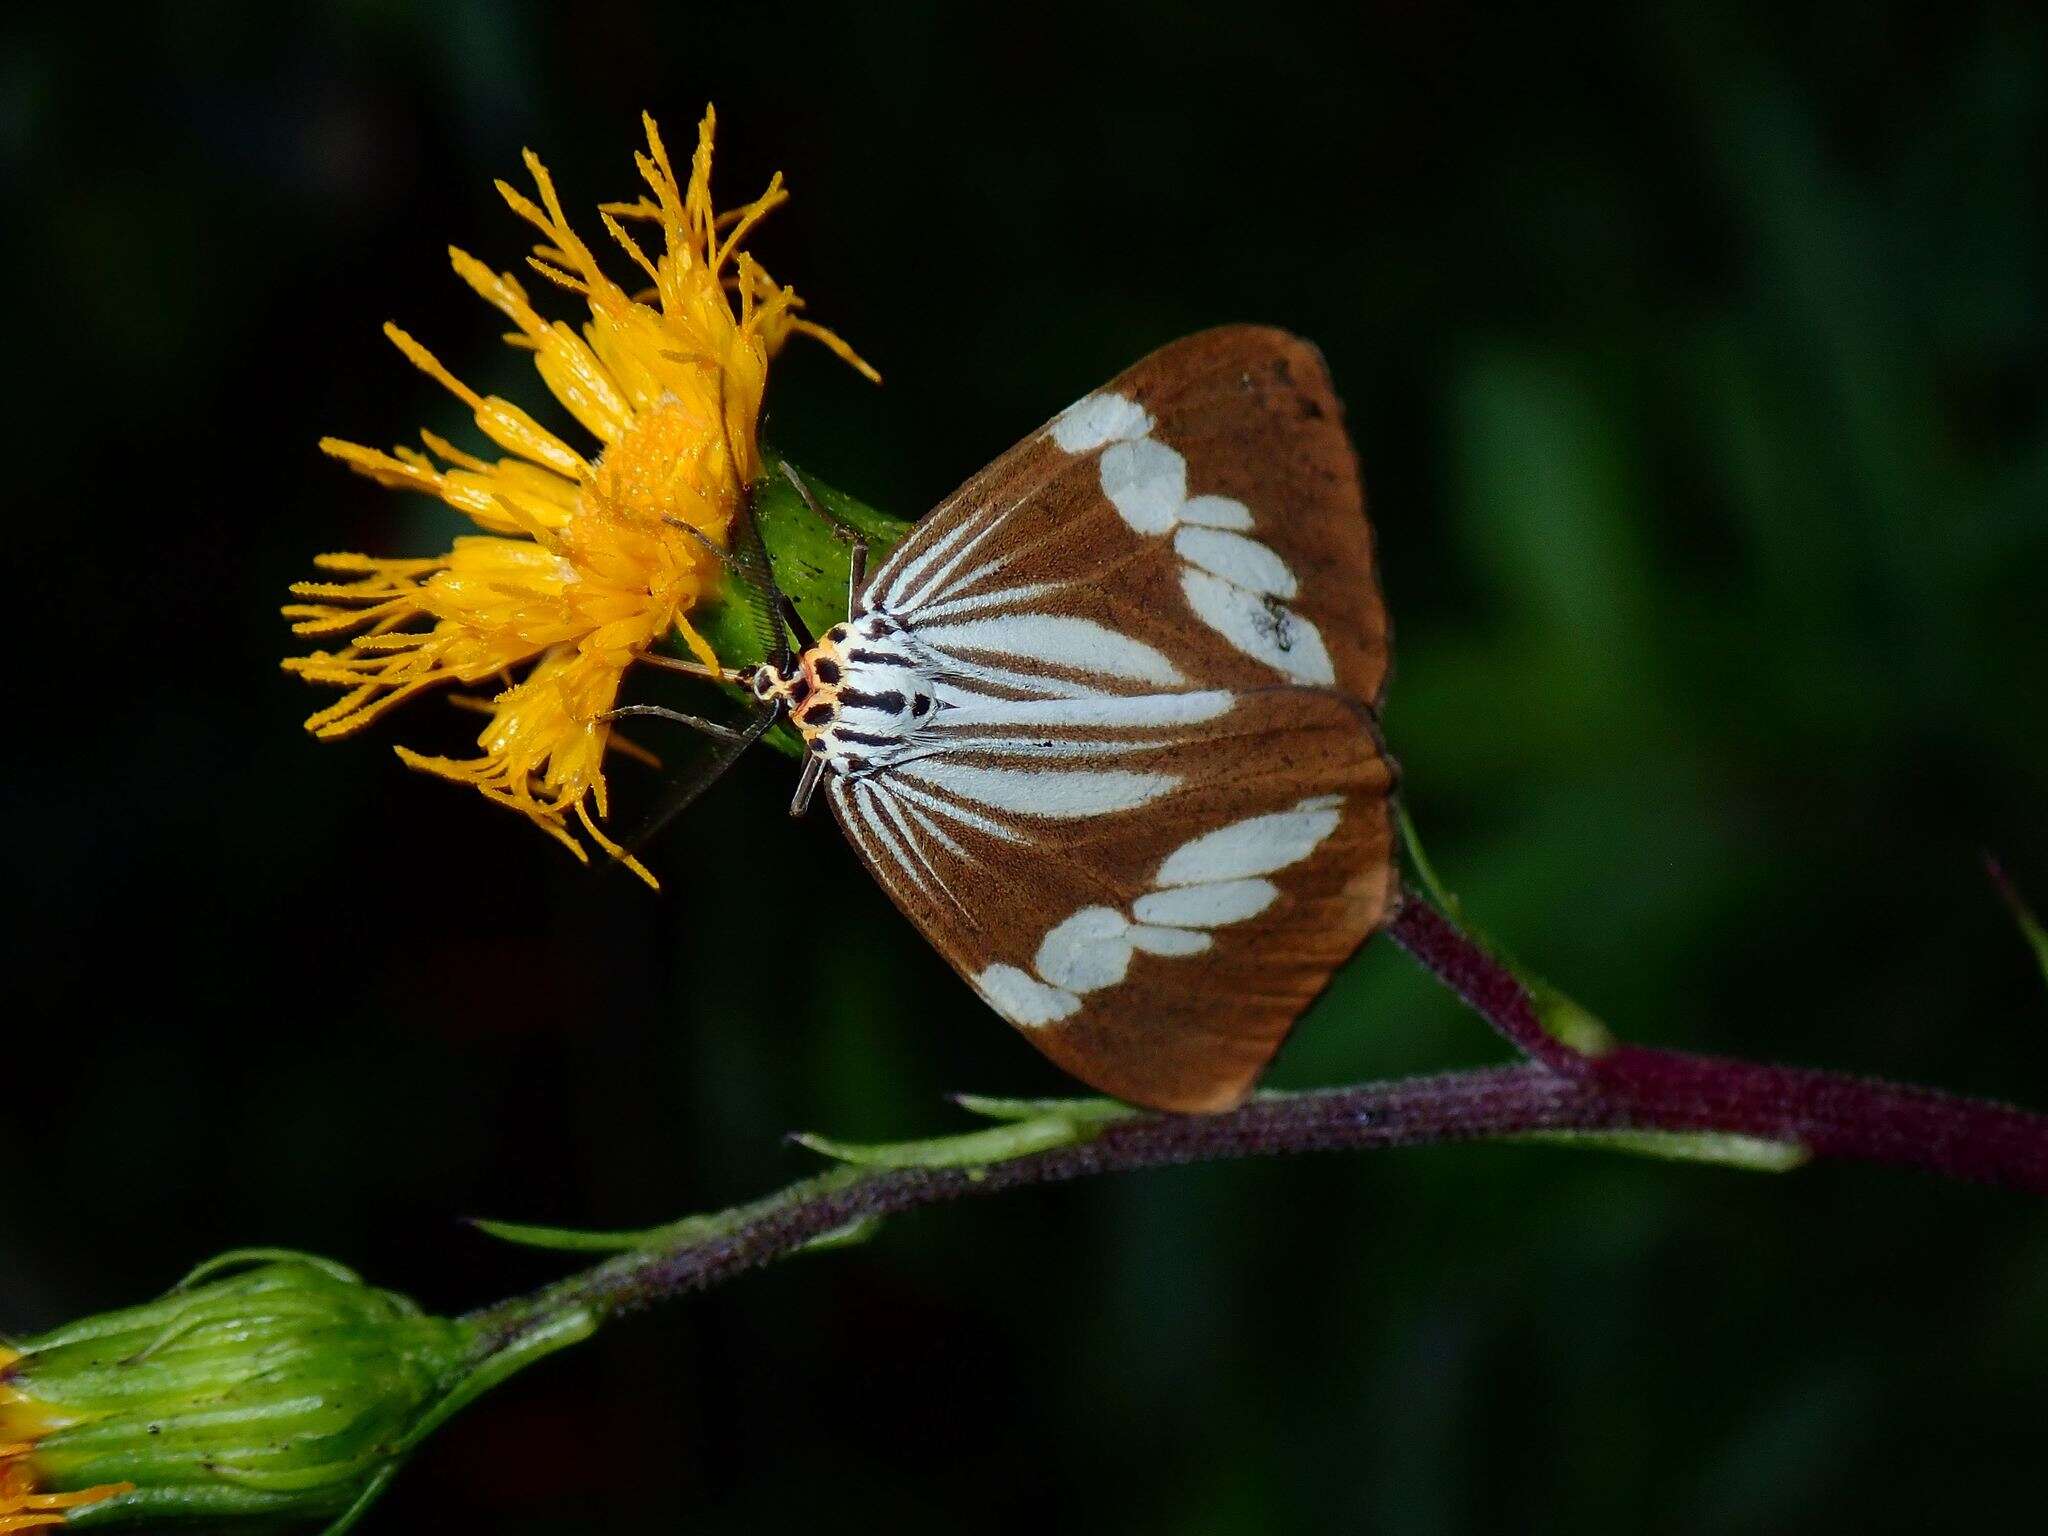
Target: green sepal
[(810, 560)]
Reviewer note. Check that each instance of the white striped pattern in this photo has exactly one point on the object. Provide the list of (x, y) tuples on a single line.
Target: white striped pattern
[(972, 707)]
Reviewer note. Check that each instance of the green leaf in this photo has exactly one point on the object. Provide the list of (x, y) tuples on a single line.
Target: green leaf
[(561, 1239), (1563, 1019), (1423, 868), (852, 1235), (1026, 1127), (1080, 1111), (2022, 914), (1753, 1153)]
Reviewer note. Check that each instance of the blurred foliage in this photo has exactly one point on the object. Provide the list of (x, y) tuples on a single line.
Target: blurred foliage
[(1696, 358)]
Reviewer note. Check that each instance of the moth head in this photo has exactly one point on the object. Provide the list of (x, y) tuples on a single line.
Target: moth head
[(766, 681)]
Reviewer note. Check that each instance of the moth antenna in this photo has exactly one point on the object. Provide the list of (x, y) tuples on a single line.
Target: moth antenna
[(750, 566), (724, 557)]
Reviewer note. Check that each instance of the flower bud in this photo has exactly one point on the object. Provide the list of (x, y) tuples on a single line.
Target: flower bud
[(267, 1385)]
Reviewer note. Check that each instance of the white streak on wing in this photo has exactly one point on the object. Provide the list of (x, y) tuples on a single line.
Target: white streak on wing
[(1116, 712), (1236, 558), (1091, 949), (943, 579), (898, 785), (866, 835), (932, 829), (1056, 640), (1206, 906), (1097, 419), (1259, 845), (1244, 619), (1217, 512), (897, 814), (1058, 793), (899, 857), (1023, 999), (1003, 597), (1148, 483), (969, 530), (954, 696), (908, 562), (1029, 748), (1035, 683)]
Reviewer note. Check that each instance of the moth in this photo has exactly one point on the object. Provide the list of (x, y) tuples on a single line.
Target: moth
[(1105, 724)]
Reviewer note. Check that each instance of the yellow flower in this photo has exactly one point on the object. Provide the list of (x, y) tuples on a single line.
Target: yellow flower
[(25, 1505), (586, 562)]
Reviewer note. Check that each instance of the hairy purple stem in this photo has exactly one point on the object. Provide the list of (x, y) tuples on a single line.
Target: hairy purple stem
[(1488, 987), (1825, 1114)]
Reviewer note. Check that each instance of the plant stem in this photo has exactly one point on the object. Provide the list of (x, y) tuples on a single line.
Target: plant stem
[(1629, 1089), (1488, 987)]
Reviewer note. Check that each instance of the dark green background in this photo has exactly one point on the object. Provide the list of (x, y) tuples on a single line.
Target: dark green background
[(1696, 359)]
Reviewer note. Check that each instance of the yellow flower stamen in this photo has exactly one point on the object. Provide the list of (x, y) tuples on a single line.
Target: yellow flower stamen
[(25, 1505), (584, 563)]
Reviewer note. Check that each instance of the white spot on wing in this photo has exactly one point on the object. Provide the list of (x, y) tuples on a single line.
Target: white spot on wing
[(1209, 882), (1098, 419), (1168, 941), (1258, 845), (1148, 482), (1023, 999), (1091, 949), (1235, 558), (1232, 582), (1217, 512), (1206, 906), (1261, 627), (1056, 640)]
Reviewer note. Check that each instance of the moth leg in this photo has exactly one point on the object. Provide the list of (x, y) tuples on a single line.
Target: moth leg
[(806, 785), (845, 532), (695, 722)]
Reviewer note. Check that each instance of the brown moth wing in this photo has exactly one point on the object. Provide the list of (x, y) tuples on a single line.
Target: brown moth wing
[(1188, 546), (1249, 415), (1187, 1028)]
